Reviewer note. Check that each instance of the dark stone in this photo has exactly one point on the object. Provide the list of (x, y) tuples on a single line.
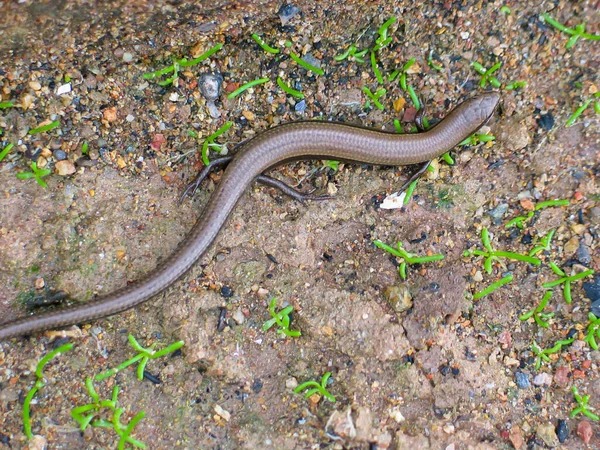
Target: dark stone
[(562, 431), (546, 121), (592, 289), (59, 155), (522, 380), (226, 291)]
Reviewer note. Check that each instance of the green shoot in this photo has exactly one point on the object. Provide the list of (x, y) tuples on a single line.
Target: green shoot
[(263, 45), (486, 74), (351, 52), (448, 159), (5, 105), (537, 314), (549, 203), (246, 86), (582, 407), (84, 148), (306, 65), (6, 150), (575, 33), (543, 354), (282, 319), (476, 139), (433, 65), (593, 331), (36, 173), (492, 287), (144, 354), (288, 90), (210, 141), (38, 385), (518, 221), (409, 191), (505, 9), (564, 279), (181, 63), (376, 70), (374, 97), (492, 254), (383, 40), (543, 245), (333, 165), (320, 388), (44, 128), (408, 258), (515, 85), (582, 108)]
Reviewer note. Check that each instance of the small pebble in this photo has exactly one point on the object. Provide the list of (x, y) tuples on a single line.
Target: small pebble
[(210, 85), (547, 434), (562, 430), (300, 106), (226, 292), (499, 211), (584, 431), (65, 167), (287, 12), (583, 254), (546, 121), (59, 155), (592, 289), (522, 380), (238, 316), (127, 57), (399, 297)]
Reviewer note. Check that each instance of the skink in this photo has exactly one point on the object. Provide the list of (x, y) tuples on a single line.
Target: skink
[(288, 142)]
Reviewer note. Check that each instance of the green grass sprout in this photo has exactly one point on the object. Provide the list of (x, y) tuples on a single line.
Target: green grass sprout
[(210, 142), (374, 97), (144, 355), (550, 203), (409, 191), (408, 258), (383, 40), (180, 63), (320, 388), (505, 9), (540, 317), (263, 45), (518, 221), (6, 150), (5, 105), (333, 165), (288, 90), (306, 65), (405, 67), (486, 74), (567, 280), (583, 107), (376, 70), (351, 52), (593, 331), (543, 354), (44, 128), (492, 287), (84, 148), (543, 245), (575, 33), (491, 254), (433, 65), (515, 85), (36, 173), (282, 319), (448, 159), (477, 138), (582, 407), (247, 86), (39, 383), (398, 126)]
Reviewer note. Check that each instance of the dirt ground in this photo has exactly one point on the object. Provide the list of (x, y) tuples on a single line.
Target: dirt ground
[(435, 370)]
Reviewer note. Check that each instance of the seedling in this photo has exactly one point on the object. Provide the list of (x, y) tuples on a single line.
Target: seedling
[(320, 388), (593, 331), (543, 354), (263, 45), (408, 258), (544, 244), (566, 280), (44, 128), (492, 287), (491, 254), (582, 407), (281, 319), (210, 142), (247, 86), (36, 173), (575, 33), (540, 317)]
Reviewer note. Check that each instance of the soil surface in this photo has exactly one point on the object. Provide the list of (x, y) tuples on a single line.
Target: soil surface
[(414, 363)]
